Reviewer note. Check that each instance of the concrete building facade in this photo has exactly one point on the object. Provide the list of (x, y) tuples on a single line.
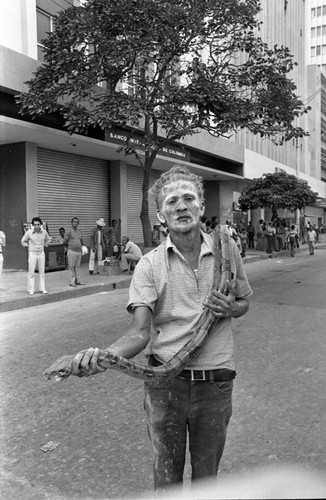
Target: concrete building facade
[(46, 172)]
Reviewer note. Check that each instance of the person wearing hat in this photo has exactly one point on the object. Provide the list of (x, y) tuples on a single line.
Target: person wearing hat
[(97, 246)]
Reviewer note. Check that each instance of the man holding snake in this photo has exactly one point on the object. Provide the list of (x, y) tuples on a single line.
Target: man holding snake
[(170, 286)]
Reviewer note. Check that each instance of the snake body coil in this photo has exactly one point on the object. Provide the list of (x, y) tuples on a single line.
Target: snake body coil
[(62, 367)]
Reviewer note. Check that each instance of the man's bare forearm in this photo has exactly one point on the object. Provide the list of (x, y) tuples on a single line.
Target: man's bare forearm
[(129, 345), (136, 337)]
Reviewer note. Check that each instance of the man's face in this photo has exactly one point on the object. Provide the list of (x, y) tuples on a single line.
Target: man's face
[(62, 233), (75, 223), (124, 241), (181, 206), (37, 226)]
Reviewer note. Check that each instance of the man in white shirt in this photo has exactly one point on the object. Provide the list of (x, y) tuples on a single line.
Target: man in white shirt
[(130, 253), (311, 238), (270, 233), (35, 240)]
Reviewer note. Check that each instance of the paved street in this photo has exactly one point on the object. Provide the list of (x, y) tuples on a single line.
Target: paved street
[(103, 452)]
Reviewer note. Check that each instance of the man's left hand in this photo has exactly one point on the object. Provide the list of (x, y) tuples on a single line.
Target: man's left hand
[(223, 306)]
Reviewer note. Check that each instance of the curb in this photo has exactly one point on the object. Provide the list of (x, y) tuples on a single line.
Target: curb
[(283, 253), (40, 299)]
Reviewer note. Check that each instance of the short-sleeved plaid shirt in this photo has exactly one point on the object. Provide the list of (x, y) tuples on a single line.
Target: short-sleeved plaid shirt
[(165, 282)]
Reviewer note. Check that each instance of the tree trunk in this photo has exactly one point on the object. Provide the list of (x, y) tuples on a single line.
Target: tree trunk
[(274, 213), (144, 215)]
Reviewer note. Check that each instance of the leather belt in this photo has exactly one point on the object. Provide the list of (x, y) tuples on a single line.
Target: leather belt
[(218, 375)]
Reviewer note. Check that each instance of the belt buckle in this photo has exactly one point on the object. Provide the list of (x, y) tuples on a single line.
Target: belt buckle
[(198, 378)]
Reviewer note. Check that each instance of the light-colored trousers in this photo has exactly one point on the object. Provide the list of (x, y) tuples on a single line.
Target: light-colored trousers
[(93, 264), (74, 259), (125, 258), (36, 258), (311, 245), (1, 263)]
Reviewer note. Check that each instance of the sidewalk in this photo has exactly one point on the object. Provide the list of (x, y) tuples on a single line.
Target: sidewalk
[(13, 285)]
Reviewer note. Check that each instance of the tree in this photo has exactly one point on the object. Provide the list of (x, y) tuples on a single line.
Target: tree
[(277, 190), (169, 70)]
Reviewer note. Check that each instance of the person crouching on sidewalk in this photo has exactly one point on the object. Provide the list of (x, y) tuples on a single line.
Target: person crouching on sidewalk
[(130, 253), (36, 239)]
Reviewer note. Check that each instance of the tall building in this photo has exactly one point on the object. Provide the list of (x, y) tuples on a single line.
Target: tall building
[(316, 84), (316, 33), (46, 172)]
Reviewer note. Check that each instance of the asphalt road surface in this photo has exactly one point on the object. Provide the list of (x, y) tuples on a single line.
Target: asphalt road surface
[(98, 423)]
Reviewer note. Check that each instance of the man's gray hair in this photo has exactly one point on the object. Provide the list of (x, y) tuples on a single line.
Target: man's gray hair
[(176, 173)]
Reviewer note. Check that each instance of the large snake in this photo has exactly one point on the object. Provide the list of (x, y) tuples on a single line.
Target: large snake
[(155, 375)]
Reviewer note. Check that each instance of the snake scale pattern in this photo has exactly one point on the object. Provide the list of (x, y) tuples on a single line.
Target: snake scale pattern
[(62, 367)]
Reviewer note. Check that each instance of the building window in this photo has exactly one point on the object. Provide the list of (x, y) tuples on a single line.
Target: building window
[(313, 51), (324, 10), (319, 31), (324, 29), (45, 25), (313, 13), (324, 50), (318, 51), (318, 11), (313, 32)]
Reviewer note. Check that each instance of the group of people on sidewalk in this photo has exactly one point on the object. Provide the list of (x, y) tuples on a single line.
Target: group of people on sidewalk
[(270, 237), (102, 244), (276, 236)]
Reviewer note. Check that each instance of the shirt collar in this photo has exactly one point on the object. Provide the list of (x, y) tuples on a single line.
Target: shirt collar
[(206, 246)]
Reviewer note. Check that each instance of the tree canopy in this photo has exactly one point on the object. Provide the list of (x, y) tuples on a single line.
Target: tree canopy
[(277, 190), (167, 68)]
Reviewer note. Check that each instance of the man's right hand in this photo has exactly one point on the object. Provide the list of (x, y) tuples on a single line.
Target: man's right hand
[(85, 364)]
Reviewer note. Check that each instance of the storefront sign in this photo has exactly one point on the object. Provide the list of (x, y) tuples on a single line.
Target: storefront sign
[(122, 137)]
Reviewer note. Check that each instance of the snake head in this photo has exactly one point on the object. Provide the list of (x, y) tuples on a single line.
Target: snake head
[(60, 369)]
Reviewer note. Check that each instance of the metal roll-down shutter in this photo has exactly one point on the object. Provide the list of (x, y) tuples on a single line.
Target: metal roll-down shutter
[(71, 186)]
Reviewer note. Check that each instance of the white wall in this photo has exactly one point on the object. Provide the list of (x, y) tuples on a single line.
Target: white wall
[(255, 165), (18, 26)]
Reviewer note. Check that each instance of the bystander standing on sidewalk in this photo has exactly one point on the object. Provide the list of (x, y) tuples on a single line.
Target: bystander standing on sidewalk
[(251, 235), (293, 240), (243, 239), (74, 240), (2, 245), (311, 238), (36, 239), (97, 247), (270, 234), (317, 231)]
